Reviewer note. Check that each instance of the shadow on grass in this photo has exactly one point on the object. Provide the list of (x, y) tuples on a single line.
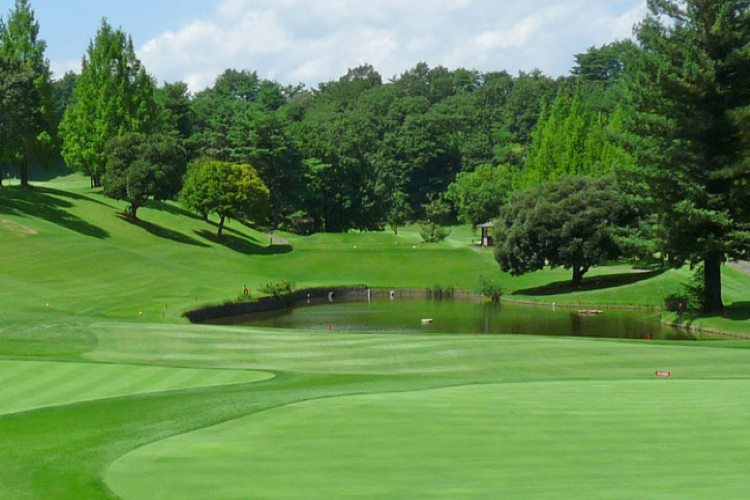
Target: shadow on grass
[(738, 311), (163, 232), (591, 283), (243, 244), (171, 209), (73, 196), (241, 234), (45, 204)]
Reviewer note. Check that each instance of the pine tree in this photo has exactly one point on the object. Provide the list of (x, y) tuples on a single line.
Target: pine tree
[(690, 89)]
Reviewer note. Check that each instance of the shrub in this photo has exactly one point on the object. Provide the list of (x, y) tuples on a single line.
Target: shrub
[(672, 302), (489, 288), (433, 233), (279, 289)]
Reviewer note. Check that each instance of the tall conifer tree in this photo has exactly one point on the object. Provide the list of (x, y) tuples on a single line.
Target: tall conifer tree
[(691, 91)]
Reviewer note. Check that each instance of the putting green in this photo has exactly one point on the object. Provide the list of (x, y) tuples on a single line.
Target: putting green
[(635, 439), (25, 385)]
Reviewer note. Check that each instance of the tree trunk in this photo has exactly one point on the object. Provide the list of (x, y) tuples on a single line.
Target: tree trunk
[(131, 211), (221, 226), (578, 272), (25, 173), (712, 303)]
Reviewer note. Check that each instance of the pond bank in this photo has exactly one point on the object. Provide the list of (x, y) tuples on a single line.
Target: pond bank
[(325, 294), (265, 304)]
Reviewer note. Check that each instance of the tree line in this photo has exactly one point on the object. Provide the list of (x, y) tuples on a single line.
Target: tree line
[(640, 151)]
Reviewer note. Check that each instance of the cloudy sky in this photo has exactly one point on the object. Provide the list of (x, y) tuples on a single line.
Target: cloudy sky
[(313, 41)]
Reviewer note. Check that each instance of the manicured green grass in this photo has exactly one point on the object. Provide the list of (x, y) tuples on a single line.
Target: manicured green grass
[(525, 440), (27, 385), (104, 384)]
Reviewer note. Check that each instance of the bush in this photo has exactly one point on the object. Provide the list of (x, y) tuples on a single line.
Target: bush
[(433, 233), (280, 289), (672, 302), (691, 296), (489, 288)]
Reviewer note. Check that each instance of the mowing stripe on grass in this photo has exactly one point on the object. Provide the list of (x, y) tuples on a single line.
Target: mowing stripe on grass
[(26, 385)]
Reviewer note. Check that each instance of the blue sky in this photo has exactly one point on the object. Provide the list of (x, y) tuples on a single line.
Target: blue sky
[(313, 41)]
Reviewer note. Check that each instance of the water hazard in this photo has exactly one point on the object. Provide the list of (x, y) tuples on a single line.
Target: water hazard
[(462, 316)]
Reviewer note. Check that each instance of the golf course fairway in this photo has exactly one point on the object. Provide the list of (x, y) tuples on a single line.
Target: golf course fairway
[(584, 439), (26, 385), (107, 391)]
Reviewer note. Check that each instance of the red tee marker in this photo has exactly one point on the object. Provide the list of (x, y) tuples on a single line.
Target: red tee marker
[(663, 374)]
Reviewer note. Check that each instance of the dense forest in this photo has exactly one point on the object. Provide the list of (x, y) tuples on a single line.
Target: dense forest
[(660, 119)]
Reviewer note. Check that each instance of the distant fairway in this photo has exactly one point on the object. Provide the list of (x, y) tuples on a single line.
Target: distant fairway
[(624, 439)]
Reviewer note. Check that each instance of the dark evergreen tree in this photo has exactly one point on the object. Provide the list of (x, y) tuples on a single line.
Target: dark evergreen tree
[(690, 92), (37, 137)]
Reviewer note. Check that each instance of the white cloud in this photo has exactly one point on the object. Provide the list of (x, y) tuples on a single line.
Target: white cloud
[(59, 69), (317, 41)]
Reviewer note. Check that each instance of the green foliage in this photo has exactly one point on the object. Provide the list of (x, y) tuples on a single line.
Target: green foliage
[(572, 141), (361, 153), (34, 138), (675, 302), (64, 89), (436, 213), (432, 232), (279, 289), (140, 167), (114, 95), (688, 128), (176, 117), (571, 223), (478, 195), (241, 298), (226, 189), (489, 287), (400, 211), (16, 106), (264, 140)]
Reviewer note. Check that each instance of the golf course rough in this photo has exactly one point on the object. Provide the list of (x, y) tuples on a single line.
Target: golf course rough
[(573, 439)]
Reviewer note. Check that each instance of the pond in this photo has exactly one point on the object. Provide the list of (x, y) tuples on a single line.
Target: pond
[(462, 316)]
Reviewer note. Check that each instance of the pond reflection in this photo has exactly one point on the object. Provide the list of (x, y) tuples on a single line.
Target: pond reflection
[(471, 316)]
